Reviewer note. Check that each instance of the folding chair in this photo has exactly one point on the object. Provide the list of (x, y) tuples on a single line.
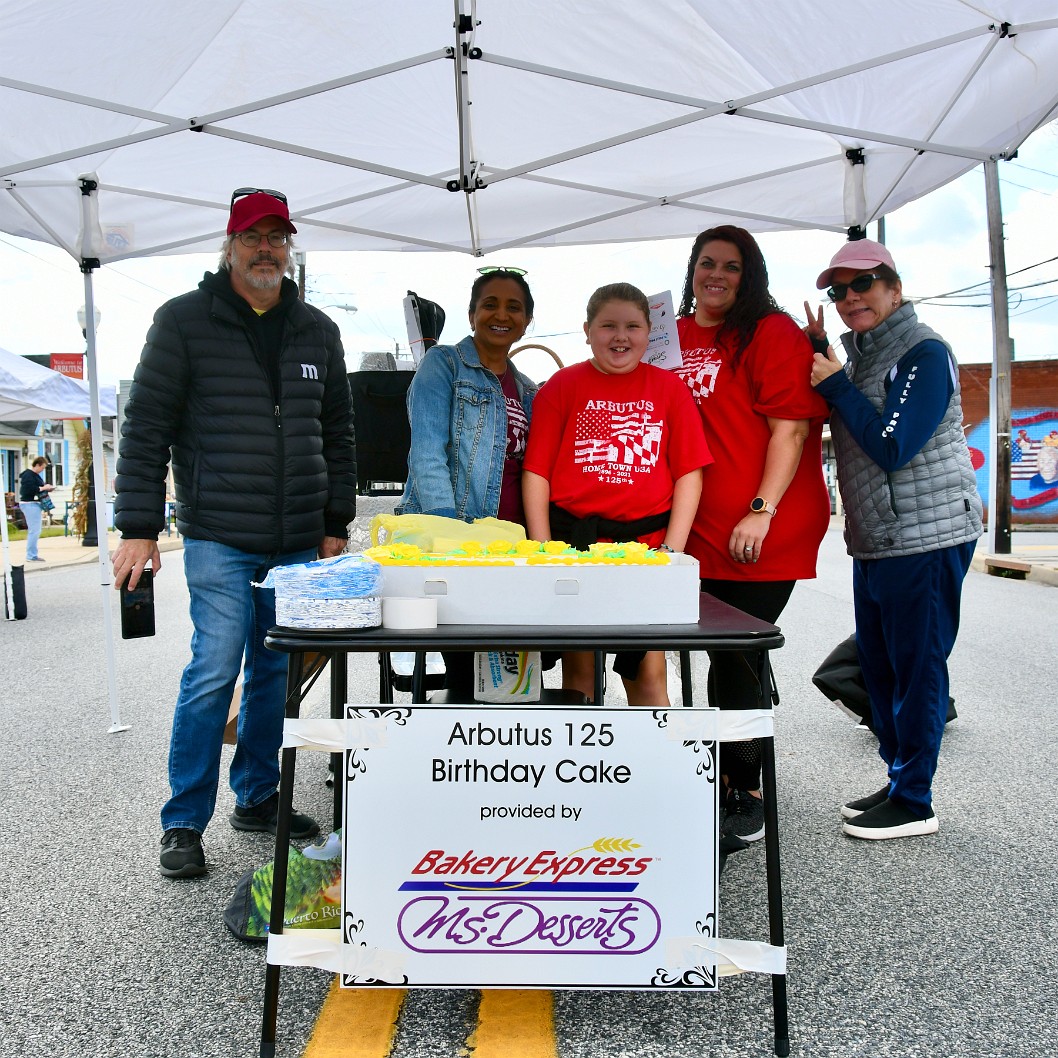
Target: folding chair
[(383, 436)]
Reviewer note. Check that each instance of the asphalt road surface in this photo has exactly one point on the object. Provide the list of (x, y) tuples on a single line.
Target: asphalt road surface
[(925, 948)]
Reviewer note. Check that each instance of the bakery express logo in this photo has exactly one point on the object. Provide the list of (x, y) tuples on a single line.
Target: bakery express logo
[(534, 905)]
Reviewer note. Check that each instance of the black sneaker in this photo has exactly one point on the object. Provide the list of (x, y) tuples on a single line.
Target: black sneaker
[(264, 816), (744, 816), (891, 819), (182, 855), (865, 804)]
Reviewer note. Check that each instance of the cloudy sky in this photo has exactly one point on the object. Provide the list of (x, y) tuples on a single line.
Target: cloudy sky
[(939, 243)]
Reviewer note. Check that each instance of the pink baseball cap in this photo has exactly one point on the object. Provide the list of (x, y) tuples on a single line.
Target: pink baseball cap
[(249, 209), (863, 253)]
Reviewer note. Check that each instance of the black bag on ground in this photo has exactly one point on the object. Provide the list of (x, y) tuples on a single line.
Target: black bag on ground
[(313, 893), (841, 680), (18, 593)]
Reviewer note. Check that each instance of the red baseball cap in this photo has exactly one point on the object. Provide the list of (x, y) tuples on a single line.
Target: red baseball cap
[(863, 253), (249, 209)]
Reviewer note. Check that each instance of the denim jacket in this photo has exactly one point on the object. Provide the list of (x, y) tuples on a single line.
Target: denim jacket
[(458, 421)]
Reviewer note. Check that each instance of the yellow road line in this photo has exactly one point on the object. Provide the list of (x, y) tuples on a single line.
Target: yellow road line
[(514, 1024), (356, 1023)]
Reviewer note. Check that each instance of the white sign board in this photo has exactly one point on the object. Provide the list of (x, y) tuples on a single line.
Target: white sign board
[(664, 348), (528, 847)]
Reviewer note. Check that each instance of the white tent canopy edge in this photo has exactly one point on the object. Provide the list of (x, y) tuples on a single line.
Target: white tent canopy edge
[(763, 115)]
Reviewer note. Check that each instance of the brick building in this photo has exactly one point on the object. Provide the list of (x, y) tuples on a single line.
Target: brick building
[(1034, 436)]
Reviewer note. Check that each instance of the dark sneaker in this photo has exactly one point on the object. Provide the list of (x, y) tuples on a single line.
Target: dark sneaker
[(729, 844), (182, 855), (865, 804), (891, 820), (744, 816), (264, 816)]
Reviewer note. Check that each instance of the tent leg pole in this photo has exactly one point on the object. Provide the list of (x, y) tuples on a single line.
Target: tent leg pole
[(99, 490), (999, 391)]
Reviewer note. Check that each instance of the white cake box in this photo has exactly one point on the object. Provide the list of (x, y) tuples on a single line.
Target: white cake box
[(554, 595)]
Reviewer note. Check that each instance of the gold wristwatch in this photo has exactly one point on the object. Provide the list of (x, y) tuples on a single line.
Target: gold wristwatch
[(760, 505)]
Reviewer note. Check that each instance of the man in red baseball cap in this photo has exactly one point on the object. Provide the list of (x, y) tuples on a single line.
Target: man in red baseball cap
[(245, 385), (257, 250)]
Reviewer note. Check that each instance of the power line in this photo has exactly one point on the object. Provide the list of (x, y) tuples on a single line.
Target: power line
[(1042, 172), (984, 282)]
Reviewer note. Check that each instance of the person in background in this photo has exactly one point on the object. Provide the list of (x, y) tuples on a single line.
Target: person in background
[(469, 408), (246, 386), (615, 454), (912, 515), (30, 485), (765, 506)]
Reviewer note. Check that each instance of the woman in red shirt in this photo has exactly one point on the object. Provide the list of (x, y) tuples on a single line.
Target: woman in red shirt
[(764, 506)]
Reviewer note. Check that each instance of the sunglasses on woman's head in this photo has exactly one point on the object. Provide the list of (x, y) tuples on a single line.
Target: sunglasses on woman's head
[(489, 269), (860, 285)]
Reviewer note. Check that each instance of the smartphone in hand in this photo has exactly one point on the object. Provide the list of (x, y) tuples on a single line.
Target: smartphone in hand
[(137, 607)]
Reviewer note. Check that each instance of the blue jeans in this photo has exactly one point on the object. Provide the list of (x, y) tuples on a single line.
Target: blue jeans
[(907, 618), (32, 512), (230, 619)]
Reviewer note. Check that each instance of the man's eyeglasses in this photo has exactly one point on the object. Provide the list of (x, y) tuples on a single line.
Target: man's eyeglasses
[(241, 192), (860, 285), (489, 269), (252, 239)]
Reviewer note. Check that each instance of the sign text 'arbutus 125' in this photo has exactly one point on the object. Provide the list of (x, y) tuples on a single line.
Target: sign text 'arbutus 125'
[(532, 847)]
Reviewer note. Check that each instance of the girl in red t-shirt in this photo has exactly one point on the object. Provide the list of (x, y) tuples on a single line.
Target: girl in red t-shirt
[(615, 452)]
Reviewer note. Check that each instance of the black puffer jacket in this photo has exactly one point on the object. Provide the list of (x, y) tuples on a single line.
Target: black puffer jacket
[(256, 470)]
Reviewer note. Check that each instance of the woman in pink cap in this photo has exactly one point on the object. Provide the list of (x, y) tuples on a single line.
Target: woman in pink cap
[(912, 514)]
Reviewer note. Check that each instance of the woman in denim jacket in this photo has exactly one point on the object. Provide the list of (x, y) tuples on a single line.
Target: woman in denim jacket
[(469, 409)]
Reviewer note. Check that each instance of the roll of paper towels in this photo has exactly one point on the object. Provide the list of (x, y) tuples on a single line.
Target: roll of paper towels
[(409, 613)]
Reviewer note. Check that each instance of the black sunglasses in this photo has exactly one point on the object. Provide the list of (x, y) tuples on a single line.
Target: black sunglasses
[(859, 285), (489, 269), (241, 192)]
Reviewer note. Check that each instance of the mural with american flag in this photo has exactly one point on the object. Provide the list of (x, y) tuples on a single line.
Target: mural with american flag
[(1033, 461)]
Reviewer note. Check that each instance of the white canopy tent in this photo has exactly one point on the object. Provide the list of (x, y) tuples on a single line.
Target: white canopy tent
[(481, 125), (31, 391)]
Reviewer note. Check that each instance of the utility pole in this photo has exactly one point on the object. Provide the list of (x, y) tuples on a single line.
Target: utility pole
[(999, 387)]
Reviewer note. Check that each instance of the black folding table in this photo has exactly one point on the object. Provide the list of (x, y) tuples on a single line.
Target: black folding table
[(719, 627)]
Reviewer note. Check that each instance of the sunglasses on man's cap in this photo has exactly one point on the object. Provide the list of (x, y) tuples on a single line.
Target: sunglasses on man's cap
[(241, 192)]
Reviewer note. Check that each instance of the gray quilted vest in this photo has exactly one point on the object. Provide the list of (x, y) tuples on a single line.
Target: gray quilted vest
[(930, 502)]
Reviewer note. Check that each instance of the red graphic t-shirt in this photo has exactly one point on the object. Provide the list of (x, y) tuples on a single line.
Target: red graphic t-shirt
[(511, 508), (614, 445), (772, 380)]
